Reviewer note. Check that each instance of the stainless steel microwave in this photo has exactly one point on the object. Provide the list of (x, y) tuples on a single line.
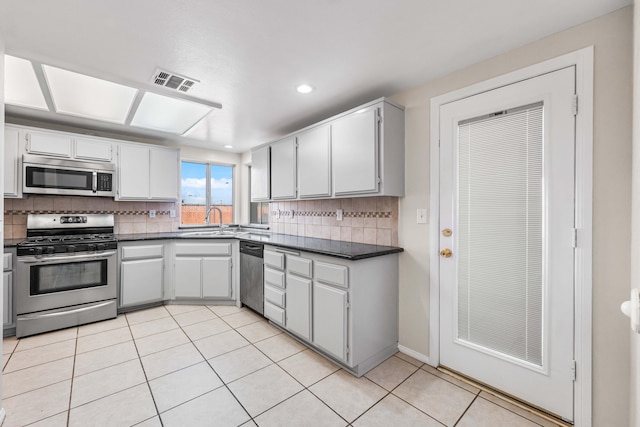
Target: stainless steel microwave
[(45, 175)]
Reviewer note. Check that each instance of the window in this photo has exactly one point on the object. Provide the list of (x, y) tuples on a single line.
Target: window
[(205, 185), (258, 211)]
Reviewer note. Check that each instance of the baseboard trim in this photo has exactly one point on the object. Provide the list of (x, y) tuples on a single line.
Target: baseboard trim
[(3, 415), (416, 355)]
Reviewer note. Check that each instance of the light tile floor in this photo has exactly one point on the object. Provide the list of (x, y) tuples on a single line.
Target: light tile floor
[(184, 365)]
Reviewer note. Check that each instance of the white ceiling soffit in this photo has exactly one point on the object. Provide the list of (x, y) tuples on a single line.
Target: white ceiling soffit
[(250, 55)]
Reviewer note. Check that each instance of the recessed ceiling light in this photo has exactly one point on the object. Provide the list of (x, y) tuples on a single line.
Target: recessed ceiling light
[(166, 114), (305, 88), (84, 96), (21, 85), (228, 146)]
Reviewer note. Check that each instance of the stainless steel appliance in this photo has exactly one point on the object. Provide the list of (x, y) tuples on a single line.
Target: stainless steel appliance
[(251, 275), (66, 272), (45, 175)]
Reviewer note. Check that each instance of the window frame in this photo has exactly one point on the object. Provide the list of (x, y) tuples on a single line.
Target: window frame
[(208, 203)]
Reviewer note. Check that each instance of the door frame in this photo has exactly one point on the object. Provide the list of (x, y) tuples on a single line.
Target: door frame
[(583, 61)]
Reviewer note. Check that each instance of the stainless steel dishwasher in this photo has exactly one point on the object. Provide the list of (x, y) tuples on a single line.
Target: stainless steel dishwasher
[(251, 275)]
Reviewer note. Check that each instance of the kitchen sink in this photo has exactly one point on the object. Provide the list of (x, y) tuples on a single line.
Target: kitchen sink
[(213, 233)]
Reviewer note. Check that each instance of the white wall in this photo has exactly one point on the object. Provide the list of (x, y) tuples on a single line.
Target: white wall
[(612, 37), (2, 411), (634, 401)]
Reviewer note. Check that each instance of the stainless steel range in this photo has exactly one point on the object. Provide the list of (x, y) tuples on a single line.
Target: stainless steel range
[(66, 272)]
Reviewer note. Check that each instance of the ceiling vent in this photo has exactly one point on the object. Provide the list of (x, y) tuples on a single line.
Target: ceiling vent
[(173, 81)]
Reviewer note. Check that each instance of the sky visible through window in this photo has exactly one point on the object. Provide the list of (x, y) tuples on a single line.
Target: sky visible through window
[(194, 180)]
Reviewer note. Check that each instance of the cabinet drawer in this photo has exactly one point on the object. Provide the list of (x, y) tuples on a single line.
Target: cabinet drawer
[(299, 266), (332, 273), (7, 261), (212, 249), (274, 296), (274, 313), (274, 277), (274, 259), (140, 252)]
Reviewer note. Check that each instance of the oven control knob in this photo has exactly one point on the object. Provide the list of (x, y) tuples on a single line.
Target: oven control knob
[(71, 248), (37, 251), (101, 247), (50, 250), (91, 247)]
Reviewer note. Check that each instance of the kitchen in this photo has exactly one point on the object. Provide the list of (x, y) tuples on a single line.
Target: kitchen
[(611, 36)]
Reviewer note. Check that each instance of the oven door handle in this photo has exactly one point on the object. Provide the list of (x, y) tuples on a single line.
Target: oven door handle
[(34, 260)]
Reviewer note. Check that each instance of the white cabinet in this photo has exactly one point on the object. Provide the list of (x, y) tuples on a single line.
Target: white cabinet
[(314, 163), (355, 153), (330, 319), (7, 292), (12, 172), (299, 306), (49, 143), (93, 149), (203, 270), (283, 169), (260, 174), (147, 173), (141, 273)]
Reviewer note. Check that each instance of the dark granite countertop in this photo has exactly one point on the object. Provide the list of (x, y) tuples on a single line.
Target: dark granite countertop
[(335, 248), (10, 243)]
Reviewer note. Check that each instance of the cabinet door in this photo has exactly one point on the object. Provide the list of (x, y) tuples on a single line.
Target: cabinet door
[(283, 169), (133, 172), (93, 149), (163, 171), (51, 144), (314, 163), (216, 277), (330, 320), (354, 153), (260, 175), (11, 162), (299, 306), (7, 301), (141, 281), (188, 277)]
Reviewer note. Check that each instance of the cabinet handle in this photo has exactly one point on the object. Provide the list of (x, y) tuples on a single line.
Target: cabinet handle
[(282, 251)]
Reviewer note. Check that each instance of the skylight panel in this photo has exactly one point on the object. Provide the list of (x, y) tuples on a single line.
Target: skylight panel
[(166, 114), (21, 85), (84, 96)]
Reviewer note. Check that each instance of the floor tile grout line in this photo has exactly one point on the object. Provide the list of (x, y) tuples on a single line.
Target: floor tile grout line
[(467, 409), (513, 412), (73, 370)]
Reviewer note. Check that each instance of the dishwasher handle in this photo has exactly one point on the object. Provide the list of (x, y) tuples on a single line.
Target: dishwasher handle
[(252, 249)]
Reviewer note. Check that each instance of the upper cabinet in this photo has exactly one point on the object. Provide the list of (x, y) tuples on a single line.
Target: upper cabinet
[(260, 173), (66, 145), (283, 169), (12, 176), (357, 153), (314, 162), (147, 173)]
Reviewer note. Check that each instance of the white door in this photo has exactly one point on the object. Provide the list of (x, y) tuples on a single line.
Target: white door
[(507, 216)]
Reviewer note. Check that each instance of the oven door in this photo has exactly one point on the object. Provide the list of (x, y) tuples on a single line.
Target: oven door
[(64, 280)]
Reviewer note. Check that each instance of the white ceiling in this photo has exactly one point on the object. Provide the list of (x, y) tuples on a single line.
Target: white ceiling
[(251, 54)]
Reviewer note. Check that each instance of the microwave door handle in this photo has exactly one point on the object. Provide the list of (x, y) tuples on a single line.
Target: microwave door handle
[(95, 182)]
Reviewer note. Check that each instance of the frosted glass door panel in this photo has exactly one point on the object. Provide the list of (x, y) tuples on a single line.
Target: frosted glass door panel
[(500, 226)]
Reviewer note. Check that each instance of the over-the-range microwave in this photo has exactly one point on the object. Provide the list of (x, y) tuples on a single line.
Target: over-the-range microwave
[(46, 175)]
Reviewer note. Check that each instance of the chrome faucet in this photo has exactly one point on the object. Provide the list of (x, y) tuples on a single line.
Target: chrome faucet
[(208, 221)]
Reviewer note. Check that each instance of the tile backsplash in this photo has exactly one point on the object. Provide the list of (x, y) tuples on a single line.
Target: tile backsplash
[(130, 217), (372, 220)]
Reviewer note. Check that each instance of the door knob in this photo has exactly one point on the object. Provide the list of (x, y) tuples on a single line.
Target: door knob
[(446, 253)]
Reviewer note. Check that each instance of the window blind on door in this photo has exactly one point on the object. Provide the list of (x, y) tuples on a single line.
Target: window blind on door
[(500, 232)]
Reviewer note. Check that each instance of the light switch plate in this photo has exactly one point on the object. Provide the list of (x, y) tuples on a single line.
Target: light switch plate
[(152, 213), (172, 213), (339, 215), (421, 216)]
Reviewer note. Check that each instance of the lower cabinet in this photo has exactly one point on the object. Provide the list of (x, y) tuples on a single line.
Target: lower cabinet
[(203, 270), (141, 273), (330, 306), (8, 322), (347, 310)]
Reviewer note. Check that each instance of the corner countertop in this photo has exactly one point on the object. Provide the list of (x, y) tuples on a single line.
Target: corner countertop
[(335, 248), (11, 243)]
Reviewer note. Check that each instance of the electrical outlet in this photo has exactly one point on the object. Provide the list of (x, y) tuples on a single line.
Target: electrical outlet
[(172, 213), (339, 215), (421, 217), (152, 213)]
